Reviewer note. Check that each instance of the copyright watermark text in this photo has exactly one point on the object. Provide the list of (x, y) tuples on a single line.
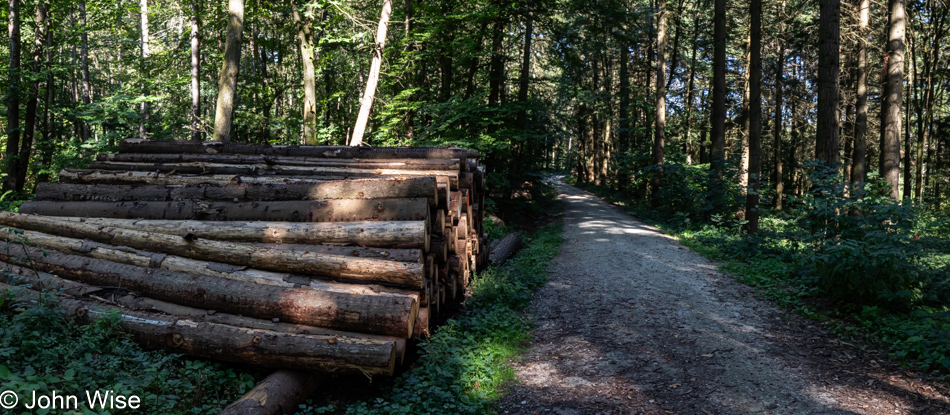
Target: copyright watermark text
[(93, 400)]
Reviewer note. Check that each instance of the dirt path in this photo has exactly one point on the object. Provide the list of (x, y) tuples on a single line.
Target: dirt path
[(633, 322)]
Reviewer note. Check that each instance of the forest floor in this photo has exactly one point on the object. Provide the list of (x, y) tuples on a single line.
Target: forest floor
[(632, 322)]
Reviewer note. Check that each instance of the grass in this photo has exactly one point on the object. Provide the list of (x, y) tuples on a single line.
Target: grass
[(463, 367)]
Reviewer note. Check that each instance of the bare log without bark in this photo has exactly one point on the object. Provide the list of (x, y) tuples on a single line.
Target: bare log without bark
[(505, 248), (205, 147), (306, 262), (237, 344), (265, 169), (279, 393), (340, 189), (341, 210)]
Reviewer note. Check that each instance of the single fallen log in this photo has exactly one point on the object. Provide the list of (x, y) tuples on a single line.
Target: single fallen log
[(362, 233), (211, 147), (265, 169), (279, 393), (416, 164), (504, 248), (265, 348), (235, 253), (340, 210), (379, 314), (98, 186)]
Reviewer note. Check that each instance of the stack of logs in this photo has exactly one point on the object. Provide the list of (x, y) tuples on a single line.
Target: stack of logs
[(306, 257)]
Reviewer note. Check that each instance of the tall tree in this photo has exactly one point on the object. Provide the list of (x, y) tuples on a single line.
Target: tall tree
[(29, 132), (195, 70), (305, 37), (755, 116), (858, 158), (891, 140), (228, 75), (659, 135), (84, 66), (826, 143), (718, 116), (370, 92), (777, 122), (145, 52), (13, 97)]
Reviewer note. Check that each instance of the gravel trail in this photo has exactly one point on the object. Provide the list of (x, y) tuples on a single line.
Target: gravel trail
[(633, 322)]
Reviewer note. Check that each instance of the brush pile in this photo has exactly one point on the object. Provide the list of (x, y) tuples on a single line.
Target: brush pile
[(307, 257)]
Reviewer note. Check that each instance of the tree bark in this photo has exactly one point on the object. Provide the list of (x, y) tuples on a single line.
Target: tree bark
[(330, 354), (826, 143), (496, 70), (718, 116), (265, 169), (195, 71), (279, 393), (755, 116), (337, 210), (243, 254), (29, 132), (407, 164), (778, 126), (366, 104), (97, 186), (228, 75), (893, 95), (659, 135), (504, 248), (305, 37), (13, 98), (145, 52), (858, 159), (84, 66)]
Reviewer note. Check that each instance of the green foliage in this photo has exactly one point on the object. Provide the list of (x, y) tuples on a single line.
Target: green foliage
[(463, 367), (43, 349)]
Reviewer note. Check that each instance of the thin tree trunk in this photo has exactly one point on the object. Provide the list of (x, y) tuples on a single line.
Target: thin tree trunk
[(48, 145), (826, 143), (143, 109), (893, 95), (195, 71), (623, 134), (496, 70), (525, 75), (690, 93), (755, 116), (744, 138), (659, 137), (367, 102), (30, 131), (908, 161), (858, 159), (777, 122), (228, 75), (84, 67), (307, 56), (13, 98)]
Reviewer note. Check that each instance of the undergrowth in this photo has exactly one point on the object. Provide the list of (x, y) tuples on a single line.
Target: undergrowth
[(42, 349), (871, 269), (463, 366)]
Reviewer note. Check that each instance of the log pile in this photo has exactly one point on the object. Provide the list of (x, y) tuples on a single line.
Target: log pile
[(305, 257)]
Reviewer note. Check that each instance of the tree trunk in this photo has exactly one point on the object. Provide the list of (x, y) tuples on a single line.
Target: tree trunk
[(29, 132), (331, 354), (623, 133), (718, 116), (858, 159), (496, 70), (195, 71), (745, 112), (305, 37), (893, 95), (501, 250), (826, 143), (659, 136), (84, 66), (13, 98), (690, 94), (261, 192), (524, 82), (778, 126), (228, 75), (339, 210), (755, 116), (279, 393), (366, 104), (266, 170), (450, 165), (143, 109)]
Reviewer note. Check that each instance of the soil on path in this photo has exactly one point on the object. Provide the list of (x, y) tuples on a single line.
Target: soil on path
[(633, 322)]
